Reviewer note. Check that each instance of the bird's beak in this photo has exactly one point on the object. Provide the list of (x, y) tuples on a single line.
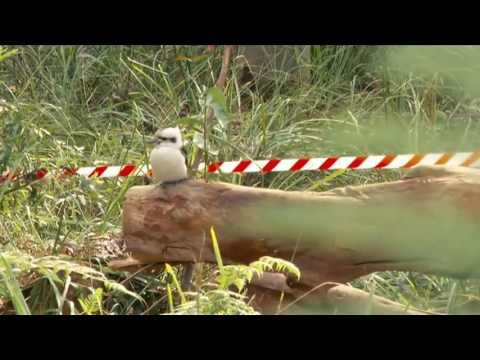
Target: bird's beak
[(151, 141)]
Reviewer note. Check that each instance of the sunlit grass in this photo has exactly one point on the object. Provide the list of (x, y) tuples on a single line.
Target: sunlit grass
[(84, 105)]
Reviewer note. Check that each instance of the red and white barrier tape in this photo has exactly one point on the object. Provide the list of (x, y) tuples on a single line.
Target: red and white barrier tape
[(102, 171), (346, 162), (470, 159)]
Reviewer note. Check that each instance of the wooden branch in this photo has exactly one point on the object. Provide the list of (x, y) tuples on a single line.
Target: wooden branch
[(273, 296), (226, 59), (426, 222), (349, 300), (220, 83), (343, 299)]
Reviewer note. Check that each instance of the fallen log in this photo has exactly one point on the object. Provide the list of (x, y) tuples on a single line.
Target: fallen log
[(344, 299), (349, 300), (426, 222)]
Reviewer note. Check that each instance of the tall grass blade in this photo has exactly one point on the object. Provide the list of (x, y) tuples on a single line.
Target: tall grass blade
[(13, 289)]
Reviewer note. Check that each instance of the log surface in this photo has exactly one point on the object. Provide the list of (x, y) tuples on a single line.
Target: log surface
[(425, 222)]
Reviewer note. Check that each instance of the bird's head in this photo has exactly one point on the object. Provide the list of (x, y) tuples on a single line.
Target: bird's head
[(169, 137)]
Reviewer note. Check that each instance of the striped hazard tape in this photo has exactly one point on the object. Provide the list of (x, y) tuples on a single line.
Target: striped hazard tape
[(346, 162), (469, 159)]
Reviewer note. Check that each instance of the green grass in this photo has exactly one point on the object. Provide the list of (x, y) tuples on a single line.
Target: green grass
[(83, 105)]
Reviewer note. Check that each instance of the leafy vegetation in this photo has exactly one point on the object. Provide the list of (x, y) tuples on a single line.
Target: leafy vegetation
[(84, 105)]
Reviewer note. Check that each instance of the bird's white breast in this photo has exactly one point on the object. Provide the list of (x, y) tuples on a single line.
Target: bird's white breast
[(168, 164)]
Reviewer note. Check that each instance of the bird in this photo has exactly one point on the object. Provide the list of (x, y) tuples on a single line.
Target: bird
[(168, 158)]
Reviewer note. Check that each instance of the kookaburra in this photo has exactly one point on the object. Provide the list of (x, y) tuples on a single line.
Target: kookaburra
[(169, 166), (168, 157)]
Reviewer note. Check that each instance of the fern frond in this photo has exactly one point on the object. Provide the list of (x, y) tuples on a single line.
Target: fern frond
[(92, 304), (267, 263), (237, 275), (52, 266)]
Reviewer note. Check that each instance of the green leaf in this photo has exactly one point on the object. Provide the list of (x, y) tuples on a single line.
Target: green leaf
[(198, 141), (239, 283), (326, 180), (170, 298), (183, 58), (237, 275), (217, 101), (5, 54), (112, 285), (215, 96), (194, 122), (13, 289), (216, 249), (194, 59), (199, 58), (169, 270)]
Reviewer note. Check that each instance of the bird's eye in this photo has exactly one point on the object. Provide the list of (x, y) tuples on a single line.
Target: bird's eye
[(173, 139)]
